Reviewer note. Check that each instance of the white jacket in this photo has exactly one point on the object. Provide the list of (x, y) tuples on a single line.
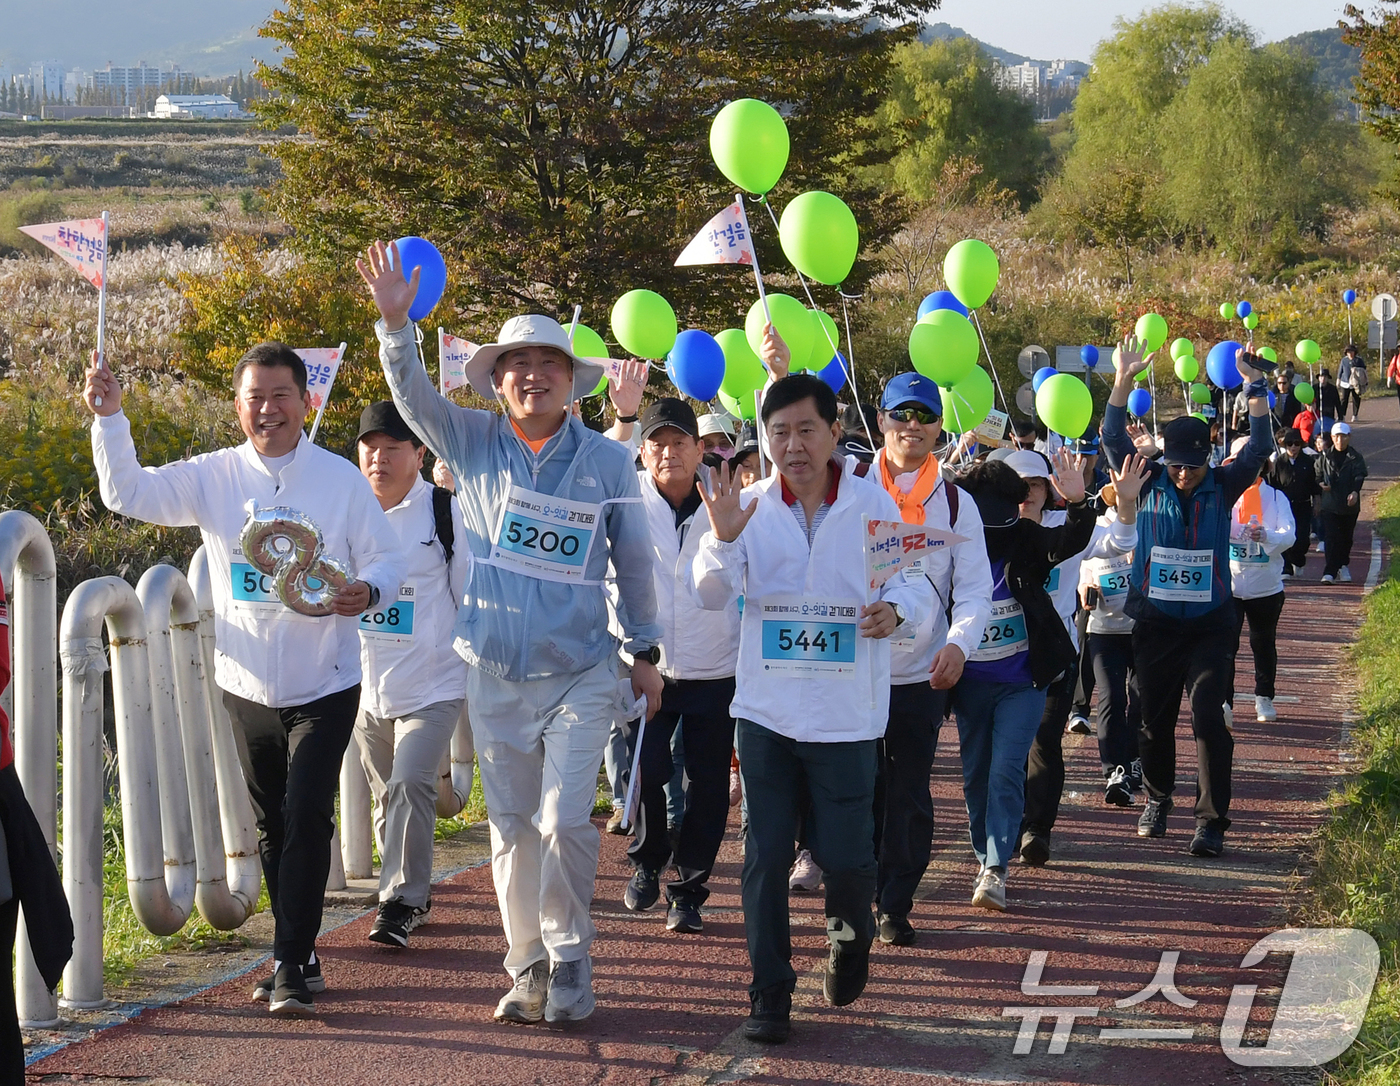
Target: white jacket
[(695, 643), (406, 644), (1108, 572), (264, 651), (1253, 576), (770, 560), (960, 572)]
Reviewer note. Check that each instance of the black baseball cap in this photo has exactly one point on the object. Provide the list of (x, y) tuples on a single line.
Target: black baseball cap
[(1186, 441), (383, 417), (669, 411), (748, 441)]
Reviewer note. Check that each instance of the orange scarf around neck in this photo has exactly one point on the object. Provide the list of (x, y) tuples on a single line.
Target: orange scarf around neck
[(911, 505)]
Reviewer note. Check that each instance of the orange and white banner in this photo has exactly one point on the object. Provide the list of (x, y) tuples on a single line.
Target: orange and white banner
[(322, 364), (893, 545), (80, 243), (453, 355), (723, 240)]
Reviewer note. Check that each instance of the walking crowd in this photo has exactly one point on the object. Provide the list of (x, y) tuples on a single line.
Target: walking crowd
[(704, 624)]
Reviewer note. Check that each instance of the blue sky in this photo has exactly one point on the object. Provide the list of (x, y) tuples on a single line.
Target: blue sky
[(1047, 29)]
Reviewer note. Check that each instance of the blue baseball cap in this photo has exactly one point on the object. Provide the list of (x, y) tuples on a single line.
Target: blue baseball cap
[(912, 388)]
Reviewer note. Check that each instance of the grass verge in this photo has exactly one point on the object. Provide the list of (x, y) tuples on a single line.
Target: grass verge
[(1356, 881)]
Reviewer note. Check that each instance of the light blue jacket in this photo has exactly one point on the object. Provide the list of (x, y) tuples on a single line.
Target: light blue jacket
[(511, 625)]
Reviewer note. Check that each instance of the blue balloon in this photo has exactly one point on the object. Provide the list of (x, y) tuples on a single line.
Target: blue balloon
[(1220, 365), (941, 299), (1243, 310), (1349, 296), (1139, 402), (418, 253), (834, 373), (1272, 400), (1089, 355), (1041, 376), (697, 364)]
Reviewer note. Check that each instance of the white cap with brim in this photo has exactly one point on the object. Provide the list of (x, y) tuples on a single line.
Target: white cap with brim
[(716, 424), (1029, 464), (1340, 428), (530, 331)]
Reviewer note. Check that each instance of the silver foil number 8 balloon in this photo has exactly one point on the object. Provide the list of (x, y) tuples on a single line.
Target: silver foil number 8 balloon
[(287, 545)]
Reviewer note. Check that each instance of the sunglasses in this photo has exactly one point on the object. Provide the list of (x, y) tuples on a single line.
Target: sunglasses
[(1184, 467), (913, 414)]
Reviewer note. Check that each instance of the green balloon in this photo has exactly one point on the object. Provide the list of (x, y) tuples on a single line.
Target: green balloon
[(743, 372), (793, 321), (1187, 368), (971, 271), (1269, 353), (1307, 351), (644, 324), (966, 404), (826, 340), (943, 347), (819, 235), (1198, 415), (601, 386), (1226, 310), (739, 406), (1065, 403), (1200, 394), (588, 343), (749, 143), (1182, 348), (1152, 330), (1303, 392), (1143, 374), (1252, 321)]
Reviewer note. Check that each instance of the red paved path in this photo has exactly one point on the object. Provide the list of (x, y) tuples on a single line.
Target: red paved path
[(669, 1006)]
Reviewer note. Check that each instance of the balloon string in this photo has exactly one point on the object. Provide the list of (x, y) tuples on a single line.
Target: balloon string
[(990, 364), (846, 318)]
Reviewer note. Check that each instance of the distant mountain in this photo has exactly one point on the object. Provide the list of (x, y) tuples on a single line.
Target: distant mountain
[(1004, 57), (1337, 62)]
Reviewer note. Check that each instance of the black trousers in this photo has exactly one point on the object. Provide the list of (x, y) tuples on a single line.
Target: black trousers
[(1296, 556), (1084, 686), (1352, 397), (291, 761), (701, 708), (839, 794), (1263, 615), (1339, 529), (1045, 765), (1120, 711), (1172, 658), (903, 802), (11, 1041)]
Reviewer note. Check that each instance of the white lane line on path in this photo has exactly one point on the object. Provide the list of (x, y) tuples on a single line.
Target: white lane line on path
[(1374, 573)]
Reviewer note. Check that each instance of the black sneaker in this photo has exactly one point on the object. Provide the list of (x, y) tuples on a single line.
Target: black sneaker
[(1035, 848), (1153, 822), (770, 1016), (643, 890), (262, 991), (897, 931), (421, 916), (1135, 775), (290, 995), (394, 922), (1208, 842), (848, 964), (1118, 789), (684, 917)]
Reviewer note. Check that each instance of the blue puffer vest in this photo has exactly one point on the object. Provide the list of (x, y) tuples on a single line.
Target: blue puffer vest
[(1201, 522)]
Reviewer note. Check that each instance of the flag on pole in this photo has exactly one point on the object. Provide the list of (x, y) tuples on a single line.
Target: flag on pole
[(893, 545), (453, 355), (80, 243), (723, 240), (322, 364)]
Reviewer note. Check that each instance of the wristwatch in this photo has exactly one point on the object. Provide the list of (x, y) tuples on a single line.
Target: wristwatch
[(898, 614), (651, 655), (373, 597)]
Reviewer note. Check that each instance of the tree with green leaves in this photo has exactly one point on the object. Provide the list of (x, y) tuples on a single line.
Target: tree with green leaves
[(944, 104), (557, 153), (1378, 86)]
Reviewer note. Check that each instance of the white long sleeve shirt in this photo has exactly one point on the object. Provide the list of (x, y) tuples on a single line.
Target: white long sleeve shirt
[(264, 651), (406, 649), (1260, 573), (1108, 570), (804, 671)]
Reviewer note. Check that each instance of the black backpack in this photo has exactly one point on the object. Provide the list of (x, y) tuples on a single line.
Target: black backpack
[(442, 521)]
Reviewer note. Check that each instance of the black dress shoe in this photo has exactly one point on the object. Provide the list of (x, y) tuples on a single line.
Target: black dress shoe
[(1035, 848)]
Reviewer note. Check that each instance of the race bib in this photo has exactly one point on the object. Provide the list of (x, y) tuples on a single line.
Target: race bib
[(1239, 555), (251, 588), (545, 537), (1005, 632), (1183, 576), (1113, 583), (806, 636), (392, 624), (1052, 582)]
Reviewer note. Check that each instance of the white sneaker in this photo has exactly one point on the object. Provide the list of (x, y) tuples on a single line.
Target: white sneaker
[(806, 875), (1079, 724), (1344, 574), (570, 991), (736, 788), (1327, 578), (1264, 710), (1229, 711), (524, 1003), (990, 892)]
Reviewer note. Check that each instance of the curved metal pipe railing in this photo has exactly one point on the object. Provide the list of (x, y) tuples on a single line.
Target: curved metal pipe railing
[(455, 779), (27, 564)]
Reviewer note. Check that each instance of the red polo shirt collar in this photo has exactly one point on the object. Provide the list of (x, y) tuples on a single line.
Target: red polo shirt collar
[(836, 468)]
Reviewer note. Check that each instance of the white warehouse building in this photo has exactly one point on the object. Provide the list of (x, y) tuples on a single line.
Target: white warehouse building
[(200, 106)]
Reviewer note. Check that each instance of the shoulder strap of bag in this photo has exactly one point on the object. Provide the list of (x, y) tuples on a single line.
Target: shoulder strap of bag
[(442, 520)]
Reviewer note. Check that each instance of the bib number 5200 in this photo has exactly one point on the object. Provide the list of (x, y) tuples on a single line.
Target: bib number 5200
[(530, 536)]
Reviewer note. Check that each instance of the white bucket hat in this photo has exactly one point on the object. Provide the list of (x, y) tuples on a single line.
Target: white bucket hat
[(530, 331)]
